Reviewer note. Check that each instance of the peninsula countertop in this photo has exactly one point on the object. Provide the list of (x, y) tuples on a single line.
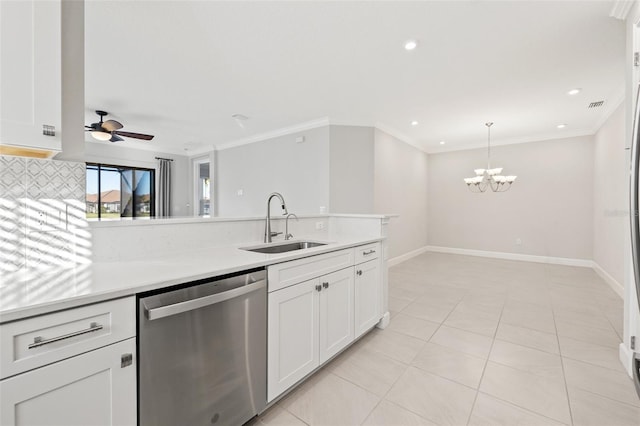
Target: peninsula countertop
[(29, 292)]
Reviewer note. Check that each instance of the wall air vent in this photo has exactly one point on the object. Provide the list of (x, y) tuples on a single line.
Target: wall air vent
[(595, 104)]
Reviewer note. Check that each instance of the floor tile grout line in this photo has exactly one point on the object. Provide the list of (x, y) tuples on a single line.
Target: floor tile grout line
[(528, 410), (637, 407), (486, 362), (564, 375)]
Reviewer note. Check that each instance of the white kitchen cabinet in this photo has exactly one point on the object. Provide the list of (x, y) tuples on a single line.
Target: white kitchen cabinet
[(72, 367), (93, 388), (30, 74), (368, 296), (292, 335), (336, 312), (308, 324), (317, 306)]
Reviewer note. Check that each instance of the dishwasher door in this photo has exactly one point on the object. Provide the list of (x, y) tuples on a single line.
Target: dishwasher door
[(202, 353)]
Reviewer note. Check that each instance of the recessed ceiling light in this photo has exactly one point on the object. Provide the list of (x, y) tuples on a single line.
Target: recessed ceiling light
[(410, 44), (414, 123), (561, 126), (574, 91), (239, 117), (442, 142)]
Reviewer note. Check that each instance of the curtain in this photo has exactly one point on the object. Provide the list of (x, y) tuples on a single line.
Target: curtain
[(164, 188)]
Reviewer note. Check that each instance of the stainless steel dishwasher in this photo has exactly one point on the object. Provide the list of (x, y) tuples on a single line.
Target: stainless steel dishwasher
[(202, 352)]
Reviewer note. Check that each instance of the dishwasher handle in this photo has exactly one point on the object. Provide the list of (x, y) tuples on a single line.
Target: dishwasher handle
[(190, 305)]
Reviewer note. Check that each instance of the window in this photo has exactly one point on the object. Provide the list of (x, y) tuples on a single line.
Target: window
[(114, 192), (202, 195)]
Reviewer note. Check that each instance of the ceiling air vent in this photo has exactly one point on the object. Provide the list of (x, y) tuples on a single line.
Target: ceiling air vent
[(595, 104)]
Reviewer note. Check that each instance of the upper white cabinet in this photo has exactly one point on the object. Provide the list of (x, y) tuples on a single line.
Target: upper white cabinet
[(30, 74)]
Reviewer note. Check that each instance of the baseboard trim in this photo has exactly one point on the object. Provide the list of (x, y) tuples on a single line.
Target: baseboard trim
[(404, 257), (585, 263), (626, 358), (615, 285)]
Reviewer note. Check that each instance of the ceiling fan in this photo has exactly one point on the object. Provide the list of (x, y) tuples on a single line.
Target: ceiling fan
[(110, 130)]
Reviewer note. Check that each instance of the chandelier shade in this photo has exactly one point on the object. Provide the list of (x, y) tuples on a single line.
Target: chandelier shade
[(489, 178)]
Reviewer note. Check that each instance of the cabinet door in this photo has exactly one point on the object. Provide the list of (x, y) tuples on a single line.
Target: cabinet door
[(368, 296), (88, 389), (292, 336), (336, 312), (30, 73)]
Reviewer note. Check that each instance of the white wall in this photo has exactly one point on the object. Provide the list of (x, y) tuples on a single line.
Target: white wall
[(400, 187), (610, 196), (351, 169), (299, 171), (550, 207), (112, 153)]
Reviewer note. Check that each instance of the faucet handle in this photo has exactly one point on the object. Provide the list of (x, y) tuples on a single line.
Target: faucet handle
[(273, 234), (288, 236)]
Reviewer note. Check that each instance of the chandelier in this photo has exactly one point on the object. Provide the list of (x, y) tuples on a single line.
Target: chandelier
[(489, 178)]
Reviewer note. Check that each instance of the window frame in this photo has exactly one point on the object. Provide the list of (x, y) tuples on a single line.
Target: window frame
[(152, 188)]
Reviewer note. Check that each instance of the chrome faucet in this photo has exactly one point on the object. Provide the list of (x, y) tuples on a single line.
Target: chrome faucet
[(287, 235), (267, 227)]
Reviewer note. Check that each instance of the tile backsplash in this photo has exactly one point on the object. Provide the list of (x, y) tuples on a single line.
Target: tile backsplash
[(42, 214)]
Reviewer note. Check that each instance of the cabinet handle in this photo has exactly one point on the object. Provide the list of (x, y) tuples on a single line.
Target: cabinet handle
[(126, 360), (367, 253), (39, 341), (318, 287), (325, 285), (359, 272)]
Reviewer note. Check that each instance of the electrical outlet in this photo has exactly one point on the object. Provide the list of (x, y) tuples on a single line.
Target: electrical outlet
[(240, 192), (319, 226), (518, 241)]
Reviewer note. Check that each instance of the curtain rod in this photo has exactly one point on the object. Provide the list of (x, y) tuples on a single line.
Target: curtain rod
[(160, 158)]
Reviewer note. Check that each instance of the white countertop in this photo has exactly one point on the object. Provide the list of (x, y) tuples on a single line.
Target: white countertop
[(26, 293)]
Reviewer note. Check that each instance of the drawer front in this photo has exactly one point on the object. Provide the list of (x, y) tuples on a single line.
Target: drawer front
[(283, 275), (41, 340), (367, 253)]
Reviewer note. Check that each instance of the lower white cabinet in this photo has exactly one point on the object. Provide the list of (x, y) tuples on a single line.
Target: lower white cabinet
[(292, 338), (94, 388), (368, 296), (336, 312), (308, 324)]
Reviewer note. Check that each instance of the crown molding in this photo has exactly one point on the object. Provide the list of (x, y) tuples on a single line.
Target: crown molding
[(620, 9), (515, 141), (313, 124), (399, 135)]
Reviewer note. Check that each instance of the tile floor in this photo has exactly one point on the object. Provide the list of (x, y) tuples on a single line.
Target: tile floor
[(476, 341)]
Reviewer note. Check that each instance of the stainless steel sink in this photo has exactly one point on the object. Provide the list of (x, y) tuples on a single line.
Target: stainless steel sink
[(283, 248)]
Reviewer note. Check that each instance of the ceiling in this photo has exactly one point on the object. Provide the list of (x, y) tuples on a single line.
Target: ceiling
[(181, 69)]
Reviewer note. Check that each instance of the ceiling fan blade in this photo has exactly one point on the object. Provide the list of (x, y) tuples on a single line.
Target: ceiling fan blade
[(115, 138), (133, 135), (111, 125)]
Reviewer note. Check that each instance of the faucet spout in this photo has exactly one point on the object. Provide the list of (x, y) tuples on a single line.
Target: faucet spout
[(267, 227)]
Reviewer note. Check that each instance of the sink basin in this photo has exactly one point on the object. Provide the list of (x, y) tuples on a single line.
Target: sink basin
[(283, 248)]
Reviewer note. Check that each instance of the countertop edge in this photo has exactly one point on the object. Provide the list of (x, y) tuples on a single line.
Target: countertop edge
[(261, 260)]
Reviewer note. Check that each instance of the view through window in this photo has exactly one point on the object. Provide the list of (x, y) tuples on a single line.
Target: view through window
[(114, 192)]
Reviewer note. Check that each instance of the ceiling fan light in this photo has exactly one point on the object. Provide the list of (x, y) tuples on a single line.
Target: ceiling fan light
[(101, 136)]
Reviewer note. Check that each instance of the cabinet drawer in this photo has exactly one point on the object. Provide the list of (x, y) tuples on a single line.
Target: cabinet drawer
[(41, 340), (368, 252), (283, 275)]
